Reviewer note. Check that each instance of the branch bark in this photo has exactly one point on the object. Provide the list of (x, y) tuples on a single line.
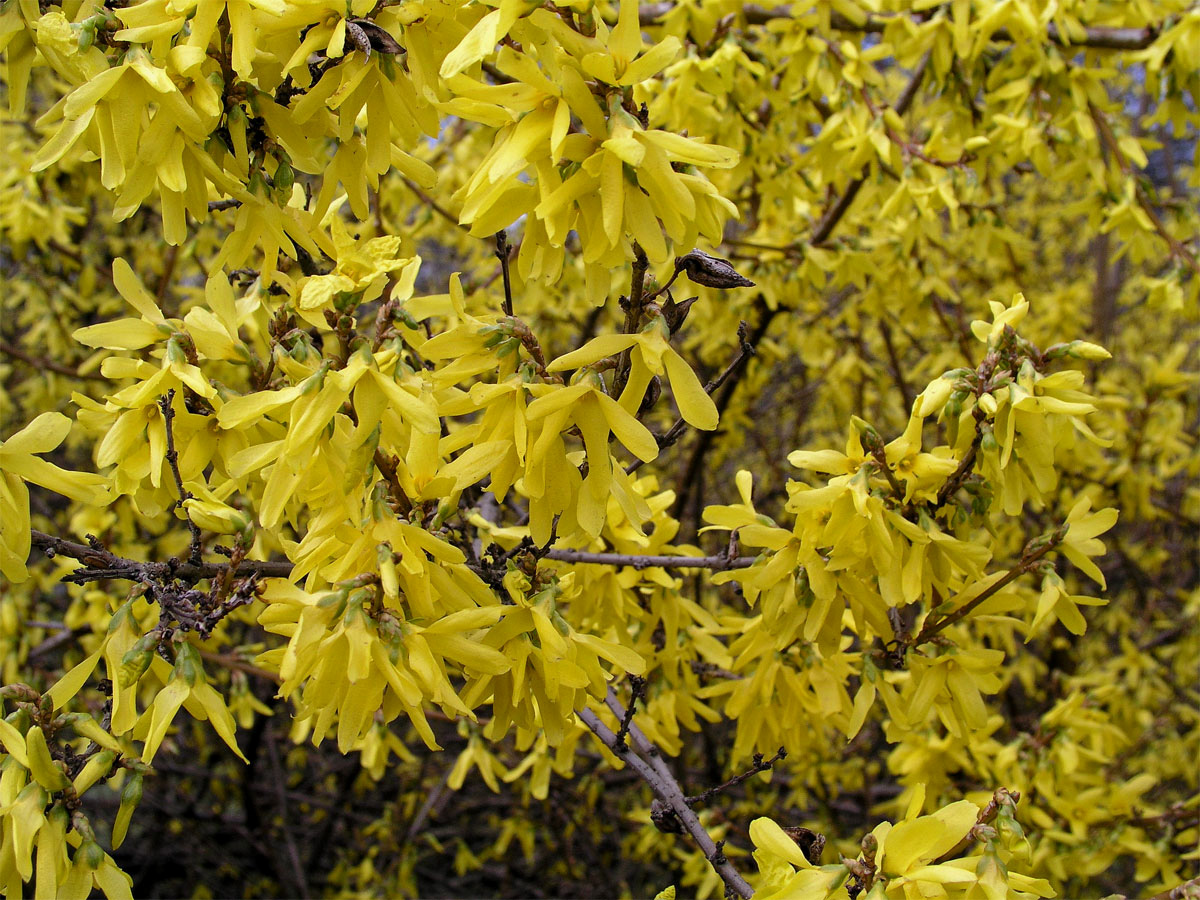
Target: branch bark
[(644, 759)]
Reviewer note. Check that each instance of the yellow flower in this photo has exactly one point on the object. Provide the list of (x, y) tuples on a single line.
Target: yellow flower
[(361, 265), (1002, 316), (652, 355), (20, 464), (597, 415), (186, 685)]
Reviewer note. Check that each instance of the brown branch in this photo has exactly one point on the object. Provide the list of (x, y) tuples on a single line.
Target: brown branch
[(688, 482), (894, 358), (1184, 891), (667, 789), (759, 765), (502, 252), (99, 564), (164, 281), (717, 563), (172, 455), (433, 204), (1000, 798), (1034, 551), (838, 210), (633, 313), (229, 661), (15, 352), (959, 475), (637, 686)]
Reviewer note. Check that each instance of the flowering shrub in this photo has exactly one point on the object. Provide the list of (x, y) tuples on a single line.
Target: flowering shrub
[(411, 402)]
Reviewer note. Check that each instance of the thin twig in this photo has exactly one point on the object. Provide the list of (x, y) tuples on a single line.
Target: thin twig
[(233, 663), (692, 472), (1178, 250), (831, 218), (433, 204), (637, 686), (633, 313), (502, 250), (164, 280), (1096, 37), (15, 352), (759, 765), (1034, 551), (745, 351), (897, 369), (279, 779), (168, 412)]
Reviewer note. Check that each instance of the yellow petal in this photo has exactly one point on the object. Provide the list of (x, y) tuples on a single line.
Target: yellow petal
[(696, 407)]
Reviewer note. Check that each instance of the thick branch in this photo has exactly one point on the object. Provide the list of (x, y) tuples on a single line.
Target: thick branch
[(1180, 891), (99, 564), (668, 791)]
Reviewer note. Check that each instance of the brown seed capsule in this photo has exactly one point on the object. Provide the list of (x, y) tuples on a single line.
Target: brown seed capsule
[(377, 38), (811, 843), (358, 37), (710, 271), (676, 313)]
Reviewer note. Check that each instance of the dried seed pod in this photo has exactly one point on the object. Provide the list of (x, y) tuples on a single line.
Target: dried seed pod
[(710, 271), (676, 313), (810, 842), (378, 37), (358, 37)]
